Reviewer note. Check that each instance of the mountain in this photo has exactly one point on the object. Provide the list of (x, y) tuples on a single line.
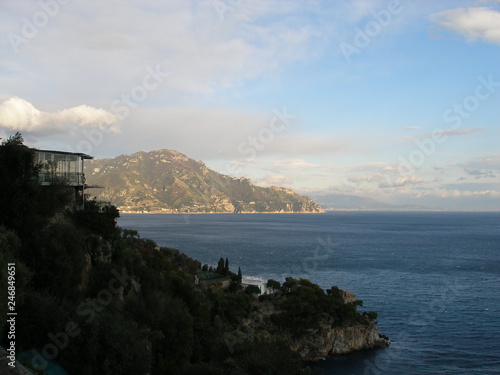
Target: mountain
[(166, 181), (352, 202)]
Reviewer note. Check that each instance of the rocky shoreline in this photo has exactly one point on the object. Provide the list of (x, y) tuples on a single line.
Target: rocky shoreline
[(340, 330), (326, 341)]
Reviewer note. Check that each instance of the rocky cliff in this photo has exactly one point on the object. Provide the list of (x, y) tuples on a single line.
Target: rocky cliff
[(325, 341), (166, 181), (315, 323)]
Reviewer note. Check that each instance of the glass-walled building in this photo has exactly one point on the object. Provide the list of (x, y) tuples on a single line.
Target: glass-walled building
[(61, 166)]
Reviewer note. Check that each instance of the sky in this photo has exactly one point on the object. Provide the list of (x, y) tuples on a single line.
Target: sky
[(392, 100)]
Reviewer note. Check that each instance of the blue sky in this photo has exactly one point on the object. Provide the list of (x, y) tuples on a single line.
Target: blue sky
[(392, 100)]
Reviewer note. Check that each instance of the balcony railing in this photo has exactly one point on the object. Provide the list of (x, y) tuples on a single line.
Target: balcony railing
[(70, 178)]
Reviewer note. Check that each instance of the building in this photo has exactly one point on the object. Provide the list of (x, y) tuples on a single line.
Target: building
[(255, 281), (64, 167), (61, 166)]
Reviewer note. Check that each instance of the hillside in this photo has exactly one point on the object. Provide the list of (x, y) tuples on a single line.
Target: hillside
[(166, 181)]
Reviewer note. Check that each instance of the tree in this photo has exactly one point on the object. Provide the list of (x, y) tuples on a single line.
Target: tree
[(108, 344), (18, 186), (220, 266), (264, 356), (97, 220), (252, 289), (226, 267), (59, 259), (25, 205), (372, 315), (273, 284), (290, 284), (240, 276), (9, 249)]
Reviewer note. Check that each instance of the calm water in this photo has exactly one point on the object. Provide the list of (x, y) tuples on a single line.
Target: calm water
[(433, 278)]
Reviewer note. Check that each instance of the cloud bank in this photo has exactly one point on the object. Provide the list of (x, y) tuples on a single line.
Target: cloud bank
[(473, 23), (20, 115)]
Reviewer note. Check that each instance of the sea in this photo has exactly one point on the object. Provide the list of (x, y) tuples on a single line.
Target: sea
[(432, 277)]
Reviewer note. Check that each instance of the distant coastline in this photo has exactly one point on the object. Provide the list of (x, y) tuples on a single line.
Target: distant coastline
[(404, 210), (309, 212), (217, 213)]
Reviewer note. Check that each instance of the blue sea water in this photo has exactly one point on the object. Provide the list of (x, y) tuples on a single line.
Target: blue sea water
[(433, 277)]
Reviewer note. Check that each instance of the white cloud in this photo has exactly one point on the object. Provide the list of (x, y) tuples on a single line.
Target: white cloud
[(486, 162), (20, 115), (377, 166), (381, 175), (409, 138), (473, 23), (214, 134), (109, 41), (452, 132), (293, 164), (454, 193), (362, 179), (480, 173), (275, 180), (483, 167), (295, 144), (402, 182), (204, 55)]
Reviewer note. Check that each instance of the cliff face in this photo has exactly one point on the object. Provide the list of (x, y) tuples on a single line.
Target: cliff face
[(326, 341), (166, 181), (315, 323)]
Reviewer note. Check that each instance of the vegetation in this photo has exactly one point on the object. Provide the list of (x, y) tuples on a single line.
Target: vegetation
[(303, 306), (109, 302)]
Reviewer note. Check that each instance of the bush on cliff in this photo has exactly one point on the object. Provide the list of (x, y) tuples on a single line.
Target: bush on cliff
[(302, 305)]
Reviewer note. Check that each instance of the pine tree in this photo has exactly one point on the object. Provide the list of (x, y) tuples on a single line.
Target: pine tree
[(240, 276), (226, 267), (220, 266)]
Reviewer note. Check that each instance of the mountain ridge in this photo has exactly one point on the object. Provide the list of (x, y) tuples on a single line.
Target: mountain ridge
[(167, 181)]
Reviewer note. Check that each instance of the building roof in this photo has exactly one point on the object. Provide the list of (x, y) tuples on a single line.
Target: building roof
[(85, 156)]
